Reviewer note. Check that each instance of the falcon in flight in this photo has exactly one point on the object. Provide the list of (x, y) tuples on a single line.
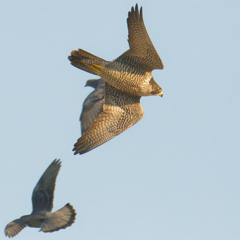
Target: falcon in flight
[(120, 111), (132, 71), (127, 79)]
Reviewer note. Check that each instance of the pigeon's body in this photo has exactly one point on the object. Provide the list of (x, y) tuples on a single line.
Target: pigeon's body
[(132, 71), (93, 104), (42, 200), (120, 111)]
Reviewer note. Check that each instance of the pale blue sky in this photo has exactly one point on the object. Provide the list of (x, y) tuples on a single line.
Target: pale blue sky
[(175, 174)]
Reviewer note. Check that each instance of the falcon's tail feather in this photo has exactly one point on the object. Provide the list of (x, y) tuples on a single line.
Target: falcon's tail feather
[(86, 61), (62, 218)]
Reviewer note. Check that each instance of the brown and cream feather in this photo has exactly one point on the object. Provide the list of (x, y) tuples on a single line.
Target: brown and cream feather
[(132, 71)]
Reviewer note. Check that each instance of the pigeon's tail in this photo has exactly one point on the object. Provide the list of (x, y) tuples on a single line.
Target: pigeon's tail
[(87, 61), (13, 228), (60, 219)]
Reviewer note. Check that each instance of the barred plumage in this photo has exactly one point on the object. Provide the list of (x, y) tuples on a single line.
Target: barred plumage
[(120, 111), (132, 71)]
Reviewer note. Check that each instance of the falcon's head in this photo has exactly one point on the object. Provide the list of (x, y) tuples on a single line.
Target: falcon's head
[(156, 89)]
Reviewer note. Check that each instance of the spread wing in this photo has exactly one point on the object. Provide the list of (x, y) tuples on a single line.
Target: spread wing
[(43, 193), (141, 47), (13, 228), (92, 107), (60, 219), (102, 129), (120, 111)]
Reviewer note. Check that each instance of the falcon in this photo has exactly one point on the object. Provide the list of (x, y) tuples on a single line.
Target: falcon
[(42, 202), (132, 71), (120, 111)]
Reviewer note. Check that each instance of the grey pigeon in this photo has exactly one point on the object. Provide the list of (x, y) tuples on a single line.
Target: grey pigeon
[(42, 201), (93, 104)]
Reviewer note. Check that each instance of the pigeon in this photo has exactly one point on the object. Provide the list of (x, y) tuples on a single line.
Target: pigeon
[(42, 201), (93, 104)]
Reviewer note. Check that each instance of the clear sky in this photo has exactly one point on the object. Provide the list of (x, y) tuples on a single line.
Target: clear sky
[(175, 174)]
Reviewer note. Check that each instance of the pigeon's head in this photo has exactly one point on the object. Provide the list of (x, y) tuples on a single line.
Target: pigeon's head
[(94, 82)]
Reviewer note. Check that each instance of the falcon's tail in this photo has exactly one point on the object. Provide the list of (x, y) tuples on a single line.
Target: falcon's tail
[(60, 219), (86, 61)]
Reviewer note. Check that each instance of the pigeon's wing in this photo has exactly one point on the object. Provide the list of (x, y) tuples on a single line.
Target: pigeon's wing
[(13, 228), (43, 193), (120, 111), (92, 107), (60, 219), (141, 47)]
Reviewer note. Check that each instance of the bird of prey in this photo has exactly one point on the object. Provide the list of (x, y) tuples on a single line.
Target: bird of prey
[(93, 104), (120, 111), (132, 71), (42, 202)]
